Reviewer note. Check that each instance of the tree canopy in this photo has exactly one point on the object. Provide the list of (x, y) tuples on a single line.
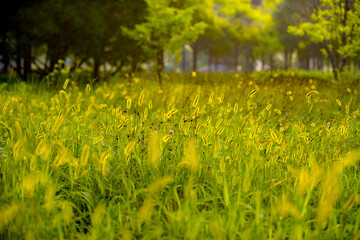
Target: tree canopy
[(336, 24), (112, 36)]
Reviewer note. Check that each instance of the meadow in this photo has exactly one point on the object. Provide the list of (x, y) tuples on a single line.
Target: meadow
[(201, 156)]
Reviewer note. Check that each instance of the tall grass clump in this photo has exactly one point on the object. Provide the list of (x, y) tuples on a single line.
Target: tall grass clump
[(223, 156)]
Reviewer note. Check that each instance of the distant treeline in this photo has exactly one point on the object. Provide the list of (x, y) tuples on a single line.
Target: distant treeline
[(110, 36), (36, 34)]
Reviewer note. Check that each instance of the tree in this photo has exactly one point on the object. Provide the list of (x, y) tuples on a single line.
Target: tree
[(251, 26), (291, 12), (336, 24), (100, 39), (50, 27), (241, 18), (14, 39), (36, 34), (202, 12), (267, 45), (234, 23), (166, 28), (267, 39)]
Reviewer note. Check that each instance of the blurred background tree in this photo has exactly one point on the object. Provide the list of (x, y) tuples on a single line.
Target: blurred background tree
[(167, 27), (107, 37), (291, 12), (40, 33), (335, 24)]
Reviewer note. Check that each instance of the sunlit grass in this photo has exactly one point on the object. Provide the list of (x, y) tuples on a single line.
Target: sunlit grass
[(202, 156)]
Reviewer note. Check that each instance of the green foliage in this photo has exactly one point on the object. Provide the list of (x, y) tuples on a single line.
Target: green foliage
[(108, 37), (335, 23), (218, 156), (267, 44), (166, 28), (86, 31), (291, 12)]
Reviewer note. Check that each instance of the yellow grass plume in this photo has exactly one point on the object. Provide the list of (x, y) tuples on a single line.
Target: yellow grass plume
[(154, 149), (67, 211), (98, 214), (49, 197), (331, 187), (284, 207), (30, 182), (308, 179), (129, 147), (146, 209), (58, 122), (330, 193), (42, 149), (104, 162), (84, 157), (191, 157), (8, 213), (159, 184)]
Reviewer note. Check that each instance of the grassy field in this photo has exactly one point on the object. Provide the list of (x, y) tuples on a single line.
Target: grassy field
[(219, 156)]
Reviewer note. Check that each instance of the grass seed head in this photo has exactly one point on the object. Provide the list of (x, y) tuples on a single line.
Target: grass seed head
[(191, 157), (8, 213), (154, 149)]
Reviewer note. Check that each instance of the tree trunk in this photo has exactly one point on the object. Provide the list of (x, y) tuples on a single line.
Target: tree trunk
[(183, 60), (249, 60), (290, 59), (320, 63), (271, 62), (195, 52), (6, 62), (4, 49), (344, 60), (288, 55), (96, 70), (210, 59), (216, 64), (55, 51), (334, 67), (247, 63), (262, 62), (333, 61), (315, 63), (134, 66), (19, 68), (307, 64), (343, 63), (336, 73), (159, 64), (236, 55), (27, 61), (52, 55)]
